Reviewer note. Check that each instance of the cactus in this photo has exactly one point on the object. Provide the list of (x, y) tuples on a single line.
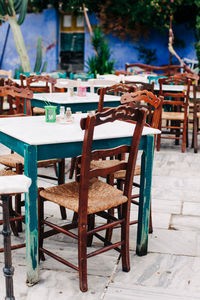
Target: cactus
[(8, 11), (38, 61)]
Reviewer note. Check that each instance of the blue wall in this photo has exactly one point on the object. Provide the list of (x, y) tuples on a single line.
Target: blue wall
[(35, 25), (123, 51)]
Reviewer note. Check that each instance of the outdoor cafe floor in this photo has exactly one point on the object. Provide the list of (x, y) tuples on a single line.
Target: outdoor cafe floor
[(170, 270)]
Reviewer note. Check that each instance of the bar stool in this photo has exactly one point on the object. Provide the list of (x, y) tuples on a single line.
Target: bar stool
[(10, 185)]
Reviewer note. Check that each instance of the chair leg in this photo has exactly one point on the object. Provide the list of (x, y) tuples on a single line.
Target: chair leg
[(150, 221), (72, 167), (8, 269), (91, 223), (125, 237), (18, 205), (40, 224), (61, 180), (82, 254)]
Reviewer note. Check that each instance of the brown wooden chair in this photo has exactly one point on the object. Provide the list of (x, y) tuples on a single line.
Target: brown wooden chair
[(160, 70), (153, 104), (20, 102), (174, 117), (88, 195), (117, 89), (31, 83), (196, 116)]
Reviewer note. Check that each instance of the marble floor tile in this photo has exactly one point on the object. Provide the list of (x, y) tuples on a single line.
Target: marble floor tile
[(173, 242), (191, 208), (179, 222)]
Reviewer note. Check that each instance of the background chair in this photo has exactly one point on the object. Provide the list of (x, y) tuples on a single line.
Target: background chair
[(196, 116), (160, 70), (153, 105), (88, 195), (10, 185), (19, 103), (117, 89), (174, 117)]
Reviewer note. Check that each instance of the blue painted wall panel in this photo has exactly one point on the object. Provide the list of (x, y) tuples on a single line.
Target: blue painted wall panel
[(123, 51), (35, 25)]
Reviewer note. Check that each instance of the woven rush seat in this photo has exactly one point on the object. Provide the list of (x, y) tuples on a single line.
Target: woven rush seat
[(173, 115), (5, 172), (38, 111), (113, 162), (12, 159), (101, 196)]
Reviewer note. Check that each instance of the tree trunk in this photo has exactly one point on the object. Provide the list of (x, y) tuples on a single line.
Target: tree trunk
[(19, 44)]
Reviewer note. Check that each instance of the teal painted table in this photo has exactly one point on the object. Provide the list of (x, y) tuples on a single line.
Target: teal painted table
[(77, 103), (36, 140)]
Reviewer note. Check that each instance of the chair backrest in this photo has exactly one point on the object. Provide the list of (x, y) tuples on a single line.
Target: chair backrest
[(117, 89), (196, 89), (122, 113), (142, 85), (175, 98), (4, 73), (19, 100), (49, 83), (148, 100), (161, 70)]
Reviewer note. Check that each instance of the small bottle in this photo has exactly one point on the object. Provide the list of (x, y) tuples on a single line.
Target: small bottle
[(62, 114), (68, 114)]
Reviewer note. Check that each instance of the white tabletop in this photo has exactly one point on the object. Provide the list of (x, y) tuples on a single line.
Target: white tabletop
[(65, 98), (35, 131)]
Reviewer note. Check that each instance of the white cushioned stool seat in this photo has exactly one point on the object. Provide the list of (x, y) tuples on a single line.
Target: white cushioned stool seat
[(14, 184)]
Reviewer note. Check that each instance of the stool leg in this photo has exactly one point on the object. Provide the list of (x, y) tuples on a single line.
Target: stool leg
[(8, 269)]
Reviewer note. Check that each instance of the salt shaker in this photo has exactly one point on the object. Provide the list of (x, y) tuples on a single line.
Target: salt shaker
[(62, 114), (68, 114)]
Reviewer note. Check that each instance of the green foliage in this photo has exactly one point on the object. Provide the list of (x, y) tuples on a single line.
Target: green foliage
[(147, 55), (100, 63), (13, 7)]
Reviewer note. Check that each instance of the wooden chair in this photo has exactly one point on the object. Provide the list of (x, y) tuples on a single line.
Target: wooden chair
[(31, 84), (89, 196), (153, 105), (196, 116), (175, 113), (160, 70), (115, 90), (10, 185), (19, 103)]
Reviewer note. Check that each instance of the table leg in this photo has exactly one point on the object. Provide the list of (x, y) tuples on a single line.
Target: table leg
[(31, 217), (145, 196)]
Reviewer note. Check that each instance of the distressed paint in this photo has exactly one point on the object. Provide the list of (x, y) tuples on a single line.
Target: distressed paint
[(145, 196), (31, 218)]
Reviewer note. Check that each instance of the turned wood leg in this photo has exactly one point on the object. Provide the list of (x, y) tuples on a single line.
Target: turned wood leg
[(8, 269)]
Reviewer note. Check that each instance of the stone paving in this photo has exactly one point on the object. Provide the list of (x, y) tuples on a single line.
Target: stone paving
[(170, 270)]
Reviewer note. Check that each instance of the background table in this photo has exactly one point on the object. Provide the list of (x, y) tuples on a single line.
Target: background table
[(77, 103), (35, 140)]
